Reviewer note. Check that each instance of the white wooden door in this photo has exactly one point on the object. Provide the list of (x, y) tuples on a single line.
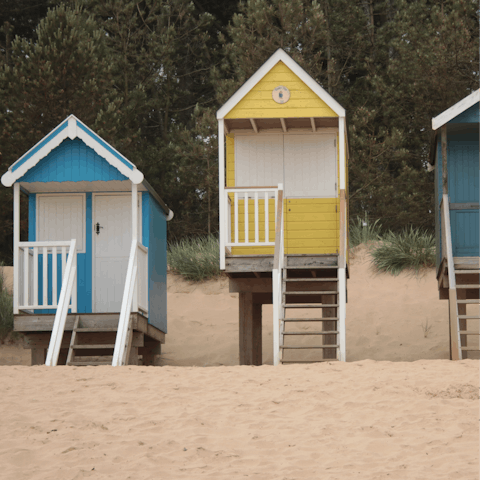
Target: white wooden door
[(111, 248), (310, 163)]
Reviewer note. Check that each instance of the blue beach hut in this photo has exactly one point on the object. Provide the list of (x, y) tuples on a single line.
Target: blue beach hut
[(455, 154), (90, 282)]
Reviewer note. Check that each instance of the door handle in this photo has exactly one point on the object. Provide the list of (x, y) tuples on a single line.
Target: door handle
[(97, 228)]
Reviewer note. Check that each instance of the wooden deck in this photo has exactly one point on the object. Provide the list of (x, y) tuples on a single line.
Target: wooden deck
[(37, 329)]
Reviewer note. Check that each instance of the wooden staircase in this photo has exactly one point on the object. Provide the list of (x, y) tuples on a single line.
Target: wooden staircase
[(467, 293), (306, 289), (93, 345)]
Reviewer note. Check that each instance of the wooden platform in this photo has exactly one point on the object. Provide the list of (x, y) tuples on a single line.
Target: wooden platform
[(37, 329)]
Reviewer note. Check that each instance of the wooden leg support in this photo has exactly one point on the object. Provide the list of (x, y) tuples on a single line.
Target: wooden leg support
[(250, 326), (39, 355), (328, 326), (149, 351)]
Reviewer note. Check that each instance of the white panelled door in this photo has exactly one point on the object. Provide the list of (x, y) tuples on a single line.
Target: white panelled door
[(111, 248), (310, 165)]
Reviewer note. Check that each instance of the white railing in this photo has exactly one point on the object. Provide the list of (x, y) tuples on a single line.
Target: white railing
[(447, 253), (277, 277), (66, 292), (41, 275), (141, 287), (123, 335), (248, 217)]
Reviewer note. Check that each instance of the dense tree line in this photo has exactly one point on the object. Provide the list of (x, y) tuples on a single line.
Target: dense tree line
[(149, 75)]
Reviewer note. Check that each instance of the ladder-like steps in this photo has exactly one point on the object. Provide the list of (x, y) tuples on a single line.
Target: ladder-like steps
[(470, 287), (464, 272), (305, 305), (318, 319), (469, 302), (469, 349), (91, 345), (316, 285), (311, 279), (283, 347), (468, 332), (85, 364), (332, 332), (469, 317), (310, 361)]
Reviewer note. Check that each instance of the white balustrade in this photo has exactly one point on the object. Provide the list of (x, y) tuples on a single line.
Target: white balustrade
[(43, 256), (251, 200)]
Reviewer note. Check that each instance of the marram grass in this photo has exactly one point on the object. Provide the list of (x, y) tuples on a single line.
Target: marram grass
[(196, 258), (6, 309), (363, 232), (412, 249)]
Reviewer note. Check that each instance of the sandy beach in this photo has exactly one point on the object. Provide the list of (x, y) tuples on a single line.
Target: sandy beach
[(398, 409)]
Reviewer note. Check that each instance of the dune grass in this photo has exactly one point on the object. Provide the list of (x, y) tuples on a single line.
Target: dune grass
[(363, 231), (196, 258), (411, 249), (6, 309)]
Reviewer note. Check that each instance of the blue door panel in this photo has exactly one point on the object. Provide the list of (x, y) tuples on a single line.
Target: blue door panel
[(465, 233)]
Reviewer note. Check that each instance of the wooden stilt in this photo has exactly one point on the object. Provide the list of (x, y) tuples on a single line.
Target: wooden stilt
[(38, 356), (250, 331)]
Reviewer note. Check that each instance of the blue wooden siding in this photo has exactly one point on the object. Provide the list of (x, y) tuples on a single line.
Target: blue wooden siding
[(72, 161), (468, 116), (84, 262), (463, 187), (106, 146), (35, 149), (157, 262)]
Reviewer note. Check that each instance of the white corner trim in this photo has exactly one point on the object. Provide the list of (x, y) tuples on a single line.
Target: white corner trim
[(72, 127), (455, 110), (280, 56)]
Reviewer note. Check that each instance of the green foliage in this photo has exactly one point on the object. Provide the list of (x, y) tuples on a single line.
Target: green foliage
[(410, 249), (196, 258), (362, 231), (6, 309)]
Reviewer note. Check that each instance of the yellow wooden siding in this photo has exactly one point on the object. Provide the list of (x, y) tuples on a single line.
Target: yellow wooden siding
[(230, 160), (258, 103), (311, 226)]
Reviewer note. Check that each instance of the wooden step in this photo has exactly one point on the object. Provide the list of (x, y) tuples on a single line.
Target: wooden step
[(464, 272), (311, 293), (301, 305), (85, 364), (469, 349), (310, 361), (467, 332), (469, 317), (96, 330), (469, 286), (311, 279), (323, 319), (470, 302), (312, 267), (333, 332), (283, 347), (94, 346)]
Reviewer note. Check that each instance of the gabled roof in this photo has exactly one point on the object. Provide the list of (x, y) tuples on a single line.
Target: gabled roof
[(280, 56), (456, 110), (71, 128)]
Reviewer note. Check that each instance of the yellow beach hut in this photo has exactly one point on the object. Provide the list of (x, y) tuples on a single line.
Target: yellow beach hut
[(283, 212)]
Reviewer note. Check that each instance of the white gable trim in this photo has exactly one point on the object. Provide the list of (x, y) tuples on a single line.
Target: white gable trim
[(72, 131), (280, 56), (456, 110)]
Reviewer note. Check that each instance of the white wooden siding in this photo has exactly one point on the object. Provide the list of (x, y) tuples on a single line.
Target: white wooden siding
[(259, 160), (61, 217), (310, 166)]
